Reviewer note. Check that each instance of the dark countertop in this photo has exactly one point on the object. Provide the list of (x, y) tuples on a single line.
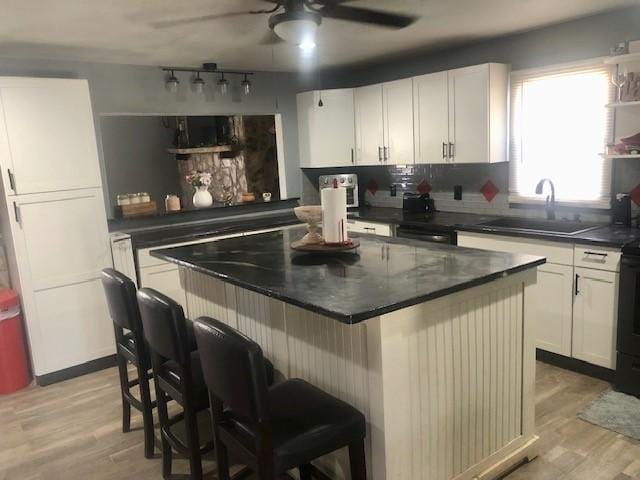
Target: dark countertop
[(383, 276), (167, 234), (439, 220), (614, 236)]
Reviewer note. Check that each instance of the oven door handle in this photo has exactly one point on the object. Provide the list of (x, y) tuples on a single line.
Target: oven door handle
[(430, 237)]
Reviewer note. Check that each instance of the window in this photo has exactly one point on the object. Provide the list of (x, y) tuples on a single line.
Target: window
[(559, 128)]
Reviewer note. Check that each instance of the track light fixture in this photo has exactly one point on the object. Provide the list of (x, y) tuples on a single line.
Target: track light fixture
[(172, 82), (197, 83), (246, 86)]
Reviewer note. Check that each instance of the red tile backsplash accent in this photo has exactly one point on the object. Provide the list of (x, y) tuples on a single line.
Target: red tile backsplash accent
[(373, 186), (424, 187), (489, 190), (635, 194)]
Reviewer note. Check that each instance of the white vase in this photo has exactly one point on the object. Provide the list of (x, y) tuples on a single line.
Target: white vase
[(202, 198)]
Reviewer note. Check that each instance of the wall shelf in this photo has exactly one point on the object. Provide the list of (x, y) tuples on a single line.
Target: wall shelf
[(616, 155), (627, 58), (623, 104)]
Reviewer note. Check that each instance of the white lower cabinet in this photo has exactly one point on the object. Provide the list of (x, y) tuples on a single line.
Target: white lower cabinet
[(380, 229), (555, 298), (595, 310), (166, 279), (577, 293)]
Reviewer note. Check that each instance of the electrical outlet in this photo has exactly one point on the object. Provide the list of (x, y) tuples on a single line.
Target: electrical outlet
[(457, 192), (393, 190)]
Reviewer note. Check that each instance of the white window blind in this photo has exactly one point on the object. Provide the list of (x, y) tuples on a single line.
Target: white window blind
[(559, 128)]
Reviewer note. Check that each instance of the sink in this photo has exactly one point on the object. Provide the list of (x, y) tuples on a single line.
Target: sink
[(541, 226)]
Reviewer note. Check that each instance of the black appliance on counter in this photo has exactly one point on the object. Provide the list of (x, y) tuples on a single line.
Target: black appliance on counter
[(628, 345), (621, 209), (417, 203)]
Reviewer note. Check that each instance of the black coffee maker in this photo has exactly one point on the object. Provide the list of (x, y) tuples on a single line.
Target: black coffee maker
[(621, 209)]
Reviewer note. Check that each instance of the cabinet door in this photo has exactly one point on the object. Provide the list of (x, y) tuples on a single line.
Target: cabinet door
[(431, 117), (369, 125), (595, 315), (50, 134), (165, 279), (61, 244), (398, 122), (553, 322), (326, 133), (469, 114)]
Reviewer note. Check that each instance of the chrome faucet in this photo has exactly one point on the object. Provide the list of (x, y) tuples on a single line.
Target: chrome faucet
[(551, 200)]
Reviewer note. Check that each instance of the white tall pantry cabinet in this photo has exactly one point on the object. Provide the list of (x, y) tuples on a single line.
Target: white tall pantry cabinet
[(53, 219)]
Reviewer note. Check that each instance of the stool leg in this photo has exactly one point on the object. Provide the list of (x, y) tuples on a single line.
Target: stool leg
[(124, 388), (147, 413), (163, 415), (195, 460), (357, 461), (305, 471)]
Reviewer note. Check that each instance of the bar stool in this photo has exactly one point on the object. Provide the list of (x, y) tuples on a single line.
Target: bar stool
[(271, 430), (177, 376), (130, 347)]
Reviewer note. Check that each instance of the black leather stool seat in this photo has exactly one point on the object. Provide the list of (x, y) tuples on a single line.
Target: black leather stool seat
[(306, 423)]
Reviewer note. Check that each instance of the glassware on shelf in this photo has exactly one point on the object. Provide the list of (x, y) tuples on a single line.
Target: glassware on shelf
[(619, 80)]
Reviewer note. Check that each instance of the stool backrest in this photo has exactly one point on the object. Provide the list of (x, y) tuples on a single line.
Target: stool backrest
[(121, 299), (164, 325), (233, 368)]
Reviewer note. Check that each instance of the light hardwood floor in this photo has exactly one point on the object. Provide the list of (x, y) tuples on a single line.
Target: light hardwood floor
[(71, 430)]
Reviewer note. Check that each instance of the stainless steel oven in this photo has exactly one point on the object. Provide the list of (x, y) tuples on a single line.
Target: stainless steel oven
[(427, 234), (348, 181)]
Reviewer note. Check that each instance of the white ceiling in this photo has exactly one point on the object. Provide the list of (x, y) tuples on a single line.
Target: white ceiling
[(120, 31)]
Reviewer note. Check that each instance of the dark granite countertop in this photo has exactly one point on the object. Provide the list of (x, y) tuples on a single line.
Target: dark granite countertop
[(437, 220), (383, 276), (614, 236), (167, 234)]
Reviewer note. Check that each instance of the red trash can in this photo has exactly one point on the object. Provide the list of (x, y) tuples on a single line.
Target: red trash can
[(14, 364)]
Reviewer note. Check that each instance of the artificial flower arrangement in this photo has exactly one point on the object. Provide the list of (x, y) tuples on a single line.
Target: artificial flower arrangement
[(199, 179)]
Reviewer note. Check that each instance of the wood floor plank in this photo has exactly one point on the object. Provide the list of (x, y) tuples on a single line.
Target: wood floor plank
[(73, 430)]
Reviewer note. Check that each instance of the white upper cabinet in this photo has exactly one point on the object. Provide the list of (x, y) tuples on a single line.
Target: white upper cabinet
[(326, 133), (431, 117), (397, 98), (463, 118), (369, 125), (458, 116), (49, 139)]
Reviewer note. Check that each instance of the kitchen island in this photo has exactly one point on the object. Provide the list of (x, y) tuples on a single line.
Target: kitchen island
[(433, 343)]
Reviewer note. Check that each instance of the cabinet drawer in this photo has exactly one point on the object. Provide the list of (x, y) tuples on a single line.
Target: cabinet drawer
[(555, 252), (598, 258), (381, 229)]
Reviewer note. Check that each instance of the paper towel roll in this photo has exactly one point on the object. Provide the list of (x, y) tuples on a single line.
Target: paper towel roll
[(334, 215)]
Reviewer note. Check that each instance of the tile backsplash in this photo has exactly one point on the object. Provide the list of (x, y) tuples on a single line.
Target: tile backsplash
[(484, 187)]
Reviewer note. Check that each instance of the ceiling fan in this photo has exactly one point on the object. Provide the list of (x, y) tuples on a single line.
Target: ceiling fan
[(296, 21)]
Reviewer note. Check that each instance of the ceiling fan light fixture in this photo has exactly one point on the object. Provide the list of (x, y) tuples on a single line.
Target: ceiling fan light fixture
[(171, 83), (296, 27)]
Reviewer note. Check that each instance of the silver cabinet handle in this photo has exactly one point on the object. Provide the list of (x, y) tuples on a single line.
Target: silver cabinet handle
[(599, 254), (444, 150), (16, 212), (452, 151), (380, 154), (12, 180), (352, 157), (385, 154)]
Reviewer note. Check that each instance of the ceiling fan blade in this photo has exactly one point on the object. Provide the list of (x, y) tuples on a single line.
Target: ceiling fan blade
[(366, 15), (199, 19), (271, 38)]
